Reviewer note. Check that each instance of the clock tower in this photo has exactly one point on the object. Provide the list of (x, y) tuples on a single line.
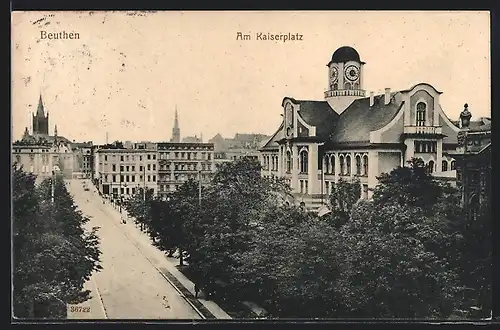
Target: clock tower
[(345, 79)]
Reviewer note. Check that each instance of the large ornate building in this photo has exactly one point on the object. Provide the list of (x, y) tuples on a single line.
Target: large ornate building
[(349, 135), (40, 153)]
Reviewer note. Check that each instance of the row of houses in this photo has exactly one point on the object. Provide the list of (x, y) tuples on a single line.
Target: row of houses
[(162, 167)]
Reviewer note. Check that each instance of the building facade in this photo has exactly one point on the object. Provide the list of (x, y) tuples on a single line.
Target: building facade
[(162, 167), (83, 159), (473, 159), (122, 171), (179, 162), (349, 135), (41, 158), (40, 153)]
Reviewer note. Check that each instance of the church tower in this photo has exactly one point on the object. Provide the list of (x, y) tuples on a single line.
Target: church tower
[(176, 132), (345, 79), (40, 121)]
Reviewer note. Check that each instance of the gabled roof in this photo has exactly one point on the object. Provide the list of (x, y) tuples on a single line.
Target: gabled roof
[(218, 137), (272, 143), (318, 114), (359, 119)]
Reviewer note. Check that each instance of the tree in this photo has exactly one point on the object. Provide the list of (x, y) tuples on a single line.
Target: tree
[(235, 202), (185, 218), (342, 198), (292, 265), (389, 271), (53, 254), (411, 185), (139, 207), (398, 260)]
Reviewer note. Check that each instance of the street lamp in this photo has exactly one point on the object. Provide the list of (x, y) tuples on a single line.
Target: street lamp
[(52, 183), (199, 189), (124, 220)]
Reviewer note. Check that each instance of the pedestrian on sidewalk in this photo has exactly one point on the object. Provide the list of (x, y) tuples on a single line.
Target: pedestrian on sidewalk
[(196, 289)]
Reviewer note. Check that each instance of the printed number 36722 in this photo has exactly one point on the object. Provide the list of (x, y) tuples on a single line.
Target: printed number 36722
[(79, 309)]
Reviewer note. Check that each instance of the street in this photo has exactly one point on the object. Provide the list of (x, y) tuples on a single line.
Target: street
[(129, 286)]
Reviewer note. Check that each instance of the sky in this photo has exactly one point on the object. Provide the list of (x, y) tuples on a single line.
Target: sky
[(128, 71)]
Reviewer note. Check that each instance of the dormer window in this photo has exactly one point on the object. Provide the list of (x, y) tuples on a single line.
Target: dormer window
[(421, 109)]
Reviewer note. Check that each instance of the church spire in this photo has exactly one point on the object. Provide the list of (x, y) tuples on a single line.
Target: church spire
[(40, 111), (176, 120), (176, 132)]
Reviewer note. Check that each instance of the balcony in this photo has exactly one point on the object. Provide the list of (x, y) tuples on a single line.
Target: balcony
[(345, 92), (424, 130)]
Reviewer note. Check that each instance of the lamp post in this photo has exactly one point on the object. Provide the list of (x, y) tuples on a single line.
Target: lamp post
[(322, 171), (124, 220), (52, 184), (199, 189)]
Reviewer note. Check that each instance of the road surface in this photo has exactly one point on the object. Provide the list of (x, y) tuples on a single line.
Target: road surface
[(129, 286)]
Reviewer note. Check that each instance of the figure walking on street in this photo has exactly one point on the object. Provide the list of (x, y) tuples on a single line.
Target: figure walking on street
[(196, 289)]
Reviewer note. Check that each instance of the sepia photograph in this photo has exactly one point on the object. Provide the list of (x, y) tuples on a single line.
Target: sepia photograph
[(251, 165)]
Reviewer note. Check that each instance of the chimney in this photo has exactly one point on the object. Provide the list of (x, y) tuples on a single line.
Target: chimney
[(372, 99), (387, 98)]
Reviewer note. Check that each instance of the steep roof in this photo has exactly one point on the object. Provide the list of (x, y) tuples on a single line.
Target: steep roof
[(82, 144), (359, 119), (481, 125), (318, 114), (481, 128), (273, 141)]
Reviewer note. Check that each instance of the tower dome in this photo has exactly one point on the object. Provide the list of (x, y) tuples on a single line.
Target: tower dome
[(345, 54), (345, 78)]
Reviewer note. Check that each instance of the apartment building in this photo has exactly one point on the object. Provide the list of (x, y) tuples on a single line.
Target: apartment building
[(121, 171), (179, 162)]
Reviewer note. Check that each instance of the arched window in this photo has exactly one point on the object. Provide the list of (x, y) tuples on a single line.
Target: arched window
[(288, 161), (326, 161), (421, 108), (365, 165), (342, 165), (335, 86), (444, 166), (348, 164), (332, 164), (452, 165), (430, 167), (358, 165), (347, 85), (303, 161), (355, 86)]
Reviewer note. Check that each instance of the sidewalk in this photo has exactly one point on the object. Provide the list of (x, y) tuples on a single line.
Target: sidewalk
[(164, 264)]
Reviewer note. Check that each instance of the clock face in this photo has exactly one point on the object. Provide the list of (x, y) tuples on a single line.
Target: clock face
[(335, 74), (352, 73)]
